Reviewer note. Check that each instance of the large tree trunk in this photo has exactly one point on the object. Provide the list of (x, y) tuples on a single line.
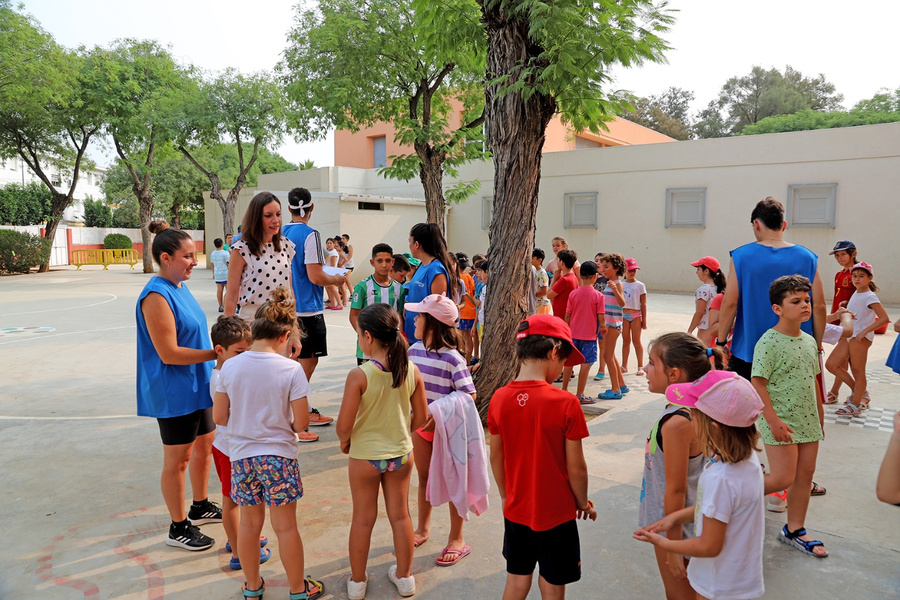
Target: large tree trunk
[(58, 204), (145, 202), (431, 174), (515, 133)]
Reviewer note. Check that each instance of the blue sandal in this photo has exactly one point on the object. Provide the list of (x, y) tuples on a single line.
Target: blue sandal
[(264, 555), (257, 593), (624, 390), (610, 395), (263, 540), (792, 538), (313, 590)]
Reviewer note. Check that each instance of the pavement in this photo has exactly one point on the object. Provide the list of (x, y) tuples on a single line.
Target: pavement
[(82, 515)]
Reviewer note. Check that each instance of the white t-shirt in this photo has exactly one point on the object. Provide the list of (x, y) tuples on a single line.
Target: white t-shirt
[(261, 387), (221, 441), (633, 292), (481, 306), (859, 304), (732, 494), (707, 292)]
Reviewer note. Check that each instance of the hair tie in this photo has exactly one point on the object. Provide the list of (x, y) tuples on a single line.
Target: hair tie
[(397, 329), (709, 352)]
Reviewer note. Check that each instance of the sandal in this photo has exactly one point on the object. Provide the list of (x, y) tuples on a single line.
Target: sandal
[(849, 410), (624, 390), (831, 398), (264, 555), (586, 400), (862, 405), (456, 554), (817, 490), (257, 593), (313, 589), (792, 538), (610, 395), (640, 372), (263, 540)]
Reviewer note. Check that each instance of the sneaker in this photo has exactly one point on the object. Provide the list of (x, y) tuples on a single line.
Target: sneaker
[(306, 437), (405, 585), (777, 501), (356, 590), (189, 538), (317, 419), (205, 512)]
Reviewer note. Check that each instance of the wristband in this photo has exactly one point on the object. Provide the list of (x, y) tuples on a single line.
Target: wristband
[(720, 342)]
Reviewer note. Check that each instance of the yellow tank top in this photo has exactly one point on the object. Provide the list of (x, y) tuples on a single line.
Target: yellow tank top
[(381, 430)]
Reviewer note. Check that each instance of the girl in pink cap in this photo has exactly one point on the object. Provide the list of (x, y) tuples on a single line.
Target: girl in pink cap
[(709, 272), (634, 315)]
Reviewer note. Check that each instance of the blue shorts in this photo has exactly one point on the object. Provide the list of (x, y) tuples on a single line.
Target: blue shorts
[(222, 282), (274, 480), (466, 324), (588, 349)]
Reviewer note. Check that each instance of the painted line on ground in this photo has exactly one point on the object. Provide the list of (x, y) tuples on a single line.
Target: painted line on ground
[(34, 312), (44, 337), (26, 418)]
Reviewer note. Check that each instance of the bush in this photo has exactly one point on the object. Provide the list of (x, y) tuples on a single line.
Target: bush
[(97, 214), (117, 241), (21, 251), (24, 204)]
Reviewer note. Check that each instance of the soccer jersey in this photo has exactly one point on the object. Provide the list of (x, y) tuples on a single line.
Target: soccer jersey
[(368, 292)]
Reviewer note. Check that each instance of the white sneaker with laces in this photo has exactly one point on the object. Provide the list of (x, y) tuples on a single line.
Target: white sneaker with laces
[(405, 585), (356, 590)]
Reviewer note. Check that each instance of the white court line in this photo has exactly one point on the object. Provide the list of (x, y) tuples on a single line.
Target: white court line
[(30, 338), (4, 418), (34, 312)]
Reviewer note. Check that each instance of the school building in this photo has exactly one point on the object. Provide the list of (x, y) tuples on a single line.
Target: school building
[(665, 204)]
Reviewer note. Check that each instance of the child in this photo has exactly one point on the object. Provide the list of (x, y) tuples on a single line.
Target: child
[(785, 364), (228, 239), (729, 518), (379, 287), (585, 315), (564, 283), (673, 459), (219, 260), (400, 269), (870, 315), (261, 397), (538, 462), (600, 286), (613, 266), (444, 370), (331, 260), (709, 272), (844, 253), (634, 315), (481, 270), (383, 399), (230, 337), (543, 282), (468, 311)]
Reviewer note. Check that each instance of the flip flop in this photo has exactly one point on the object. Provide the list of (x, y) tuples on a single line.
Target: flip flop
[(817, 490), (458, 554), (419, 543)]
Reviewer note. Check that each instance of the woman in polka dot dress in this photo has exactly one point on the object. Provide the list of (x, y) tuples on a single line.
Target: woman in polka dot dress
[(260, 260)]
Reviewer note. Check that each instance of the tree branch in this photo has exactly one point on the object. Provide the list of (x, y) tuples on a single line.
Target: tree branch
[(190, 158)]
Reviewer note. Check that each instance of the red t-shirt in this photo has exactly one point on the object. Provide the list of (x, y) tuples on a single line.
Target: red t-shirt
[(843, 289), (565, 286), (534, 419), (583, 306)]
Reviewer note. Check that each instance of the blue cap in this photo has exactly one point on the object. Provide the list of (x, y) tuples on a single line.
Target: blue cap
[(842, 245)]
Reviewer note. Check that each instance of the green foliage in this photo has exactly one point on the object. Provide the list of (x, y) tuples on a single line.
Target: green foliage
[(884, 101), (24, 204), (667, 113), (97, 213), (117, 241), (809, 119), (19, 252)]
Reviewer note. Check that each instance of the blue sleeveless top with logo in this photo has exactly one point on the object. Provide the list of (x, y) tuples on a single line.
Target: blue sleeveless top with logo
[(307, 295), (418, 288)]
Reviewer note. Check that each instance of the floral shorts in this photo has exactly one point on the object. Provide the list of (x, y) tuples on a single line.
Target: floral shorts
[(274, 480), (390, 464)]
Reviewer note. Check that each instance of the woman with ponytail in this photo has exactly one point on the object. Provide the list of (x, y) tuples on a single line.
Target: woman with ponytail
[(384, 401), (427, 245)]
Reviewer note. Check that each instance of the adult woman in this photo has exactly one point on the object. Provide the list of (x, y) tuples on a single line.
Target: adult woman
[(427, 244), (261, 259), (174, 357)]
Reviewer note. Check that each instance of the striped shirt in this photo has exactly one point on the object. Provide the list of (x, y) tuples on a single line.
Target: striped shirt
[(613, 310), (368, 292), (443, 371)]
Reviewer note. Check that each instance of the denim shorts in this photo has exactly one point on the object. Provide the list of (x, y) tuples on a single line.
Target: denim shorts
[(274, 480), (588, 349)]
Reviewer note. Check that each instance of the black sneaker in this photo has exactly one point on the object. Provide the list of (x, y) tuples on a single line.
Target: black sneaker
[(189, 538), (205, 512)]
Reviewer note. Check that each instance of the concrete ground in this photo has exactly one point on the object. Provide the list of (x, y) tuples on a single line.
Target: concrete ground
[(82, 515)]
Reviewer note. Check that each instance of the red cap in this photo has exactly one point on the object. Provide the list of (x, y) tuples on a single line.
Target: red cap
[(551, 327), (631, 264), (709, 262)]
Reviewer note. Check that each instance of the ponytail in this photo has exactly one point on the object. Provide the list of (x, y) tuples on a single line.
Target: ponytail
[(383, 323), (720, 281)]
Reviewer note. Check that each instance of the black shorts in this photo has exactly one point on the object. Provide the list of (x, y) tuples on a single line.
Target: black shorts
[(557, 551), (176, 431), (315, 342), (741, 367)]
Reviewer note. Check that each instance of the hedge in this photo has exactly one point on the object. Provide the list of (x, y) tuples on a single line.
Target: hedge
[(19, 252), (117, 241)]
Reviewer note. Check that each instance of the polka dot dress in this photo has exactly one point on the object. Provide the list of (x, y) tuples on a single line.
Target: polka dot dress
[(264, 273)]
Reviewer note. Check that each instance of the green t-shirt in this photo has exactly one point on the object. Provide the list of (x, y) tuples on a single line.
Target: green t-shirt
[(368, 291), (790, 365)]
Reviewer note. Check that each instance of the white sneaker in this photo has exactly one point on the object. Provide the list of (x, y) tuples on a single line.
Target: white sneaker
[(405, 585), (777, 502), (356, 590)]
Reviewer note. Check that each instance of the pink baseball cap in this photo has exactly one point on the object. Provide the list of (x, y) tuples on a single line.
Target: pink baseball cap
[(865, 267), (721, 395), (631, 264), (710, 262), (440, 307), (551, 327)]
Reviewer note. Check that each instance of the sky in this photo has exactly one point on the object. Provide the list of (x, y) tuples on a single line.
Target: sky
[(711, 40)]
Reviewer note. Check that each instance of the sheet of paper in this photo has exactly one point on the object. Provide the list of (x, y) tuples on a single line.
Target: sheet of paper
[(334, 271)]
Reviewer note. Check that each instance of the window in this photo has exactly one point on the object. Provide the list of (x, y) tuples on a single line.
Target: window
[(487, 211), (686, 208), (370, 206), (582, 143), (580, 210), (379, 151), (812, 205)]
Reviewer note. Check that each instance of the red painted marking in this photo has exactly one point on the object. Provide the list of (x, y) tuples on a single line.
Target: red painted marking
[(156, 583), (88, 589)]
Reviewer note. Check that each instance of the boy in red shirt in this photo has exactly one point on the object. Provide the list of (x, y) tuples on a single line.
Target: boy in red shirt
[(564, 284), (585, 314), (538, 462)]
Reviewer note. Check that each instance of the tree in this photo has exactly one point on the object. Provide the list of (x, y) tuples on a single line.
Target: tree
[(97, 213), (243, 109), (667, 113), (761, 93), (24, 204), (139, 88), (884, 101), (349, 65), (810, 119), (543, 58), (45, 117)]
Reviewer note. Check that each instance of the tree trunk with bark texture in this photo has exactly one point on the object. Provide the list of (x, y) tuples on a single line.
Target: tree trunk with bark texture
[(58, 204), (515, 132), (431, 173)]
